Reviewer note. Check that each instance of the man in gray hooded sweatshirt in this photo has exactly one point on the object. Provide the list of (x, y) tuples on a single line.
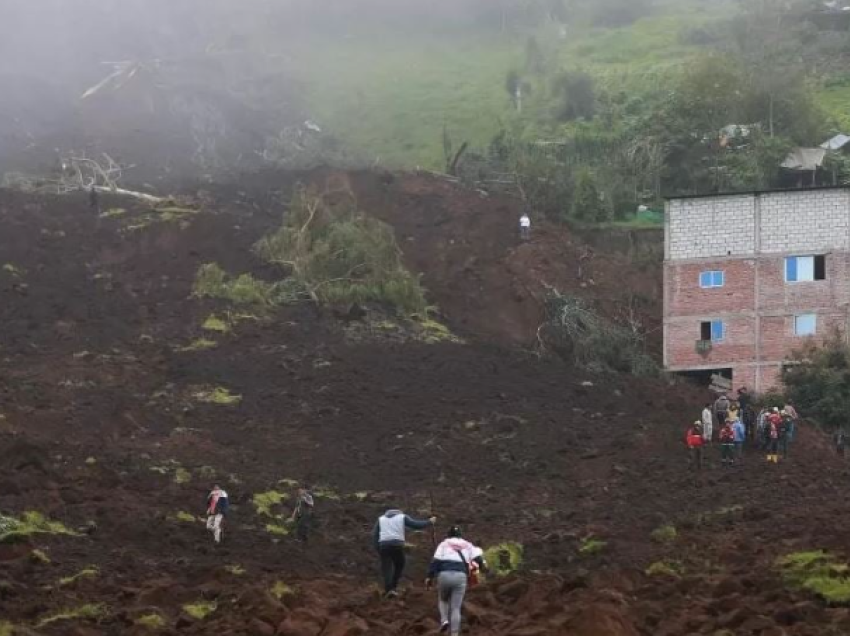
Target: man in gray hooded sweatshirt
[(388, 536)]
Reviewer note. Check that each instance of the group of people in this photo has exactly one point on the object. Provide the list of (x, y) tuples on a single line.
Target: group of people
[(454, 566), (736, 423)]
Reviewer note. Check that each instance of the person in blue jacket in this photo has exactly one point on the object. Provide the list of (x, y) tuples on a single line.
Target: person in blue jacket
[(389, 538), (740, 432)]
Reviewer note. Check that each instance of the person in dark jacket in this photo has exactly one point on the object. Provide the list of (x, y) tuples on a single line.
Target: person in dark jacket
[(303, 515), (389, 538), (840, 440), (455, 561), (217, 505)]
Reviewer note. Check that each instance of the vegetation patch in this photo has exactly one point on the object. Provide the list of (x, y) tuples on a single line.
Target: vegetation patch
[(669, 569), (6, 628), (433, 332), (151, 621), (326, 492), (182, 476), (39, 557), (264, 502), (199, 344), (335, 254), (280, 590), (13, 530), (200, 610), (12, 270), (591, 546), (112, 213), (91, 572), (665, 534), (216, 324), (184, 517), (504, 559), (91, 611), (235, 570), (818, 572), (277, 529), (217, 395), (212, 281)]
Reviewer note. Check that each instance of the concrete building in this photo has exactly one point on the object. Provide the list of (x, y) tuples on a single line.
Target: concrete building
[(749, 277)]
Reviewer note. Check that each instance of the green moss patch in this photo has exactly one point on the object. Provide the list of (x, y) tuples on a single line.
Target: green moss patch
[(665, 534), (6, 628), (184, 517), (817, 572), (200, 610), (591, 546), (216, 324), (91, 572), (505, 558), (264, 502), (91, 612), (39, 557), (151, 621), (13, 530), (280, 590), (217, 395), (277, 529), (182, 476), (235, 570), (670, 569), (199, 344)]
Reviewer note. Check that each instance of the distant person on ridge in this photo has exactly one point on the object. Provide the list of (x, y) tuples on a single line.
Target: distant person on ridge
[(727, 444), (303, 515), (389, 536), (721, 409), (840, 440), (525, 227), (695, 441), (217, 504), (707, 424), (454, 566)]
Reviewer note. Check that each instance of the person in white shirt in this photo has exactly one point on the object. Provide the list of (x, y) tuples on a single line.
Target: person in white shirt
[(456, 561), (707, 423), (525, 226)]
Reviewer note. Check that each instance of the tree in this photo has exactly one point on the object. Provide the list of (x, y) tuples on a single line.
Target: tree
[(587, 204), (575, 93), (819, 384)]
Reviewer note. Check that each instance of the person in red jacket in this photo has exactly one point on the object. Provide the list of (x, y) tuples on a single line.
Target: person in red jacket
[(727, 443), (695, 441)]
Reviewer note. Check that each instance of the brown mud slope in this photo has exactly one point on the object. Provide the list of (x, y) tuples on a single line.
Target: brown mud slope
[(106, 425)]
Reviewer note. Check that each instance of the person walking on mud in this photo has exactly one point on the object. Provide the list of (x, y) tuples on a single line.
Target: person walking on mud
[(456, 561), (695, 441), (217, 504), (707, 424), (389, 539), (303, 515), (840, 440)]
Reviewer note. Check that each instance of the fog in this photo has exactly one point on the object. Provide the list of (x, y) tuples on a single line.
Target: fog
[(198, 86)]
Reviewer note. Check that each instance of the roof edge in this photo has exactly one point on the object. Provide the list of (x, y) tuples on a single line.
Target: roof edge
[(743, 193)]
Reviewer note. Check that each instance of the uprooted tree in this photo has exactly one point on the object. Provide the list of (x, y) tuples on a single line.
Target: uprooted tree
[(576, 332), (339, 255)]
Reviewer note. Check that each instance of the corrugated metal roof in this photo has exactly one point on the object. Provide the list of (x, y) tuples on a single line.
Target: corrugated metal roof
[(836, 143), (807, 159)]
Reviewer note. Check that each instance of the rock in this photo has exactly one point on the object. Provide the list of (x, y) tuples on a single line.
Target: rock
[(591, 453), (302, 622), (587, 383), (346, 625)]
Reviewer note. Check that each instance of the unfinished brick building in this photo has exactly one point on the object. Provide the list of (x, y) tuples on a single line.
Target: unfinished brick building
[(749, 277)]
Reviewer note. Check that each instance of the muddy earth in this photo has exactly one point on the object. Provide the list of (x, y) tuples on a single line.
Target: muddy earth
[(121, 403)]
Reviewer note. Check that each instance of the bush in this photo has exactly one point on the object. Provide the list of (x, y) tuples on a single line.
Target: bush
[(213, 282), (587, 203), (819, 384), (817, 572), (339, 255)]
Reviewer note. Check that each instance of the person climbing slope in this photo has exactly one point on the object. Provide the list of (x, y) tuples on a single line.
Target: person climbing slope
[(303, 515), (217, 505), (525, 226), (695, 441), (389, 538), (455, 561)]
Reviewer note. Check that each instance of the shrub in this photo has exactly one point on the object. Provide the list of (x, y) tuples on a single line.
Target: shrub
[(819, 573), (339, 255), (665, 534), (504, 559), (591, 546), (819, 384), (671, 569), (213, 282)]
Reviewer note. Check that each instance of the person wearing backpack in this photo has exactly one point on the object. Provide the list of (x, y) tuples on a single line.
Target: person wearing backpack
[(455, 565), (727, 444)]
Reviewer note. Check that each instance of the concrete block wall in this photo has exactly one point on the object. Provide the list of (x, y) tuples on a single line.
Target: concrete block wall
[(713, 226), (812, 221)]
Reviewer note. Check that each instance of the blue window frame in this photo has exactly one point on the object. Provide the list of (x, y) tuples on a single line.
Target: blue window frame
[(803, 269), (714, 330), (805, 324), (711, 279)]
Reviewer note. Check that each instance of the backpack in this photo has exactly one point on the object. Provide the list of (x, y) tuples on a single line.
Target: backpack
[(471, 570)]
